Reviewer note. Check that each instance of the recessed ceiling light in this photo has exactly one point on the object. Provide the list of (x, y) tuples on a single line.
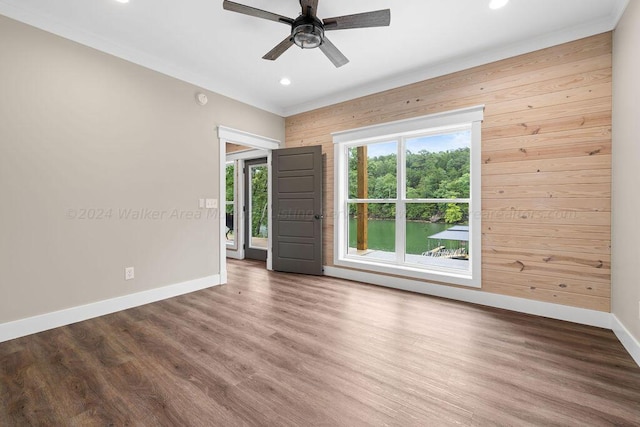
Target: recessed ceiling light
[(497, 4), (122, 1), (285, 81)]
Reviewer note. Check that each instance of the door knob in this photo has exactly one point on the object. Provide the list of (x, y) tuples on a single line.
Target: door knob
[(318, 216)]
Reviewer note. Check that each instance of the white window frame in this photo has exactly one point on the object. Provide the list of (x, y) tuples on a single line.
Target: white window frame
[(467, 118)]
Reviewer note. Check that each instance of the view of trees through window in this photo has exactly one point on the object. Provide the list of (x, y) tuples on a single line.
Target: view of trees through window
[(259, 201), (230, 202), (436, 174)]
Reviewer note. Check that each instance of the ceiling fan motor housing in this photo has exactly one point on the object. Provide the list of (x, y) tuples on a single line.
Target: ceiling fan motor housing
[(307, 32)]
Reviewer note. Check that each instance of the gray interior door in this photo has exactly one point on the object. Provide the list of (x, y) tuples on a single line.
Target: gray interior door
[(256, 209), (297, 210)]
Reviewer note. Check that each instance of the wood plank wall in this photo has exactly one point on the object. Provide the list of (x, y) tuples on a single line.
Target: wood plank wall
[(234, 148), (546, 173)]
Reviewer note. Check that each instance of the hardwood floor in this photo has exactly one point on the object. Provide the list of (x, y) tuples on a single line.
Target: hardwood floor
[(278, 349)]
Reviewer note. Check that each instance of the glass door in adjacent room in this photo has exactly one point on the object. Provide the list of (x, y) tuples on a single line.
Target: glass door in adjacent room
[(256, 206)]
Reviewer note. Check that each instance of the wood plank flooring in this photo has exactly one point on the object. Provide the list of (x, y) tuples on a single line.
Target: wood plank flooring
[(278, 349)]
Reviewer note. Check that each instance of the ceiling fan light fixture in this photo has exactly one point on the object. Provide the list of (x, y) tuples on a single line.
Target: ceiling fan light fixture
[(308, 36)]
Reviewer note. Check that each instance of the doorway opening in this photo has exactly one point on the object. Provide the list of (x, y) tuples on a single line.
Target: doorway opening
[(245, 233)]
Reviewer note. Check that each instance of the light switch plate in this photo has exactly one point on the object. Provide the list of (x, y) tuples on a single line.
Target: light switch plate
[(212, 203), (201, 203)]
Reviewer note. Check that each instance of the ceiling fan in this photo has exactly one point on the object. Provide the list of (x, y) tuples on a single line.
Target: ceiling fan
[(308, 31)]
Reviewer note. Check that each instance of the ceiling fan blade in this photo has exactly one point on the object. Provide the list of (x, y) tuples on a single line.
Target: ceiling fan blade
[(281, 48), (378, 18), (258, 13), (309, 7), (333, 53)]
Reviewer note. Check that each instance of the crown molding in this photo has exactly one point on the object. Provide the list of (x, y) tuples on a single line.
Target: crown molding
[(390, 82), (465, 62), (134, 56)]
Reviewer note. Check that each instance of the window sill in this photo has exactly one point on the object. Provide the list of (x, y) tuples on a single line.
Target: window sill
[(442, 276)]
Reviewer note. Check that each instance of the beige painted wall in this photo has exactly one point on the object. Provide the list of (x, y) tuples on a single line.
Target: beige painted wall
[(79, 130), (626, 168)]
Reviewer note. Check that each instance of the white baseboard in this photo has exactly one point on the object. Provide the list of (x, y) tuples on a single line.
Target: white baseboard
[(628, 341), (32, 325), (35, 324), (545, 309)]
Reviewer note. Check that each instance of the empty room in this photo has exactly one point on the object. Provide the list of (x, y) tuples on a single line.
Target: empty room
[(314, 212)]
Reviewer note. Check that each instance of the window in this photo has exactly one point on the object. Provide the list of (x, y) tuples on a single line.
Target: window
[(230, 206), (258, 202), (408, 197)]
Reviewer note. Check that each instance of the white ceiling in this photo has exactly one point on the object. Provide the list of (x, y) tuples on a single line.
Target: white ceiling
[(199, 42)]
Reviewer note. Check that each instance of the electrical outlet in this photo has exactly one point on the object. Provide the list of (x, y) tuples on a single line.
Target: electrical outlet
[(128, 273)]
